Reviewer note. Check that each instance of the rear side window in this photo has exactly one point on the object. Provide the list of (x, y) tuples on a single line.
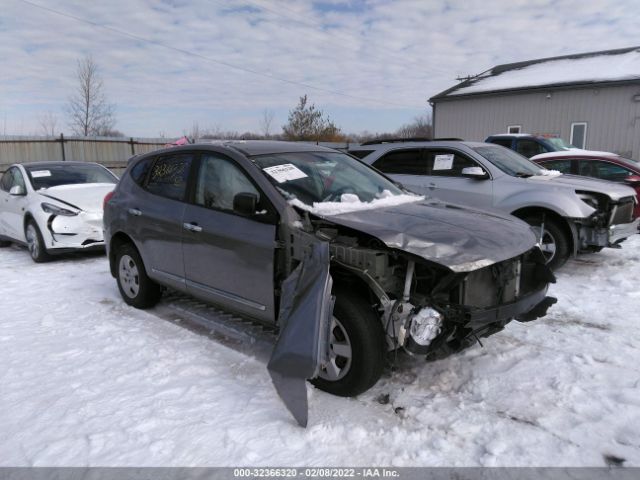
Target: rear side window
[(504, 142), (140, 171), (448, 164), (168, 176), (563, 166), (403, 162), (604, 170), (529, 148), (361, 153)]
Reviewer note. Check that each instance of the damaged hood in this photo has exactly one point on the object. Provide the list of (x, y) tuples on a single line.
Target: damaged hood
[(456, 237), (86, 196)]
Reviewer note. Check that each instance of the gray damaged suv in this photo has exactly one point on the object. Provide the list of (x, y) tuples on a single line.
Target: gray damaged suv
[(346, 264), (570, 214)]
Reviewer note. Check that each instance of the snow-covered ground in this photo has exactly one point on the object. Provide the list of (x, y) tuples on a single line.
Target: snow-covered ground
[(86, 380)]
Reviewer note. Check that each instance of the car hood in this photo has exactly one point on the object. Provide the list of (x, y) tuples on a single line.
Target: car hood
[(615, 191), (457, 237), (86, 196)]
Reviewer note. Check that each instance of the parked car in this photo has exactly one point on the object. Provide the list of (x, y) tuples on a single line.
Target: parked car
[(54, 207), (570, 214), (602, 165), (529, 145), (274, 231)]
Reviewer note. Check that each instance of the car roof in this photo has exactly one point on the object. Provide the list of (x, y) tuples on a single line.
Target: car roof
[(253, 147), (418, 144), (55, 164)]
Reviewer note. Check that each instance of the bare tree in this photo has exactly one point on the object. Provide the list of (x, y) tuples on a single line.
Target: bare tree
[(266, 122), (421, 127), (90, 112), (48, 122)]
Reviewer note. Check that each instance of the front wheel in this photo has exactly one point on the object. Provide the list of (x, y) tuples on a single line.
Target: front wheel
[(35, 243), (136, 288), (554, 242), (356, 349)]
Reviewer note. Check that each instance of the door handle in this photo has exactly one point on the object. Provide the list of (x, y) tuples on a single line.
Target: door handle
[(192, 227), (135, 212)]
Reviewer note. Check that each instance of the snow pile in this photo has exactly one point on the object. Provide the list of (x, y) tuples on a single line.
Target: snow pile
[(350, 202), (549, 173), (86, 381), (597, 68)]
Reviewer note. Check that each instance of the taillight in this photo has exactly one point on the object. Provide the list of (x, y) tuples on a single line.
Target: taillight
[(107, 197)]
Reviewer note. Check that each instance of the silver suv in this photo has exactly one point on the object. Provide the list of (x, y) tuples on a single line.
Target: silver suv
[(570, 214), (344, 263)]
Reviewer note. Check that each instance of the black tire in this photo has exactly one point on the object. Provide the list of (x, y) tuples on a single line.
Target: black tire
[(35, 242), (555, 234), (366, 337), (136, 288)]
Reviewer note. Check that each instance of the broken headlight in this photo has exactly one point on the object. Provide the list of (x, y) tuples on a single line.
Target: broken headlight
[(55, 210), (425, 326), (589, 198)]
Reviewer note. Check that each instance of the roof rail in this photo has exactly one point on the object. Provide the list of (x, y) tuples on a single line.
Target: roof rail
[(448, 139), (396, 140)]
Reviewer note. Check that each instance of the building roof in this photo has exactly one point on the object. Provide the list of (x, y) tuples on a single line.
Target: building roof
[(609, 66)]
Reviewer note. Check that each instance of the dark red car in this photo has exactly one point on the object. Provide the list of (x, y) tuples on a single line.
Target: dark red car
[(603, 165)]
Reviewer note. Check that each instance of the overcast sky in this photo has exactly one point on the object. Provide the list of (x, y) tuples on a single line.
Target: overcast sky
[(370, 65)]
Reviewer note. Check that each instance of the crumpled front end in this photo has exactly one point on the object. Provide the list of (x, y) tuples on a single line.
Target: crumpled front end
[(78, 232)]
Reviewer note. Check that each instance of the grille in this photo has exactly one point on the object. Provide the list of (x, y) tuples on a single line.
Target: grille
[(622, 212), (492, 285)]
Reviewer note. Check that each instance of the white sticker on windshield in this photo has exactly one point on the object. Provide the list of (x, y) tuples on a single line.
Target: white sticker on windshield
[(40, 173), (284, 173), (443, 162)]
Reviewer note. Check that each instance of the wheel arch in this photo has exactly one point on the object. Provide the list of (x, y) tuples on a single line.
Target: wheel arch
[(568, 227), (117, 240)]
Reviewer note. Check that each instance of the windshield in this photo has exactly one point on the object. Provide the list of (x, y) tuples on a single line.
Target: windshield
[(508, 161), (559, 143), (48, 176), (317, 177)]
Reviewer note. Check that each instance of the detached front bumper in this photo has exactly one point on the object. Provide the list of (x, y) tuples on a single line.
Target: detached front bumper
[(621, 231)]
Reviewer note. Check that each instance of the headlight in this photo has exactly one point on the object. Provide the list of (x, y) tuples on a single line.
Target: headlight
[(55, 210)]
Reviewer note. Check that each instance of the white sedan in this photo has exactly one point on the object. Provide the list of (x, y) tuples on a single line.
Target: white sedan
[(54, 207)]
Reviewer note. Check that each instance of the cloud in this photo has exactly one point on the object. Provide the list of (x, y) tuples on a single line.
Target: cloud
[(381, 59)]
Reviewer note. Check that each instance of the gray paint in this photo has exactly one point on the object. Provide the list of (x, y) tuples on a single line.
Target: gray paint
[(612, 115)]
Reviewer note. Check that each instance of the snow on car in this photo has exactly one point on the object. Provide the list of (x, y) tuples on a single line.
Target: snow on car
[(88, 381)]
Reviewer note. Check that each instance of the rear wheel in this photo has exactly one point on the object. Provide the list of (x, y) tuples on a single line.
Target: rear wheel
[(35, 243), (554, 242), (136, 288), (356, 349)]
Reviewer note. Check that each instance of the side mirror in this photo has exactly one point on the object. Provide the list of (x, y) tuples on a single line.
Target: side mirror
[(475, 172), (17, 191), (245, 203), (633, 180)]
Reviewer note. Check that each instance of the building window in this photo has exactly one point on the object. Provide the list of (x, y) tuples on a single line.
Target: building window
[(579, 134), (514, 128)]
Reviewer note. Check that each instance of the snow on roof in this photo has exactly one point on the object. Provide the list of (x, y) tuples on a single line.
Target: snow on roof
[(574, 152), (607, 66)]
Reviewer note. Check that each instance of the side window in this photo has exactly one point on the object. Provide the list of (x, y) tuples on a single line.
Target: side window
[(219, 181), (604, 170), (563, 166), (403, 162), (169, 175), (504, 142), (529, 148), (444, 163), (7, 180), (141, 169)]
